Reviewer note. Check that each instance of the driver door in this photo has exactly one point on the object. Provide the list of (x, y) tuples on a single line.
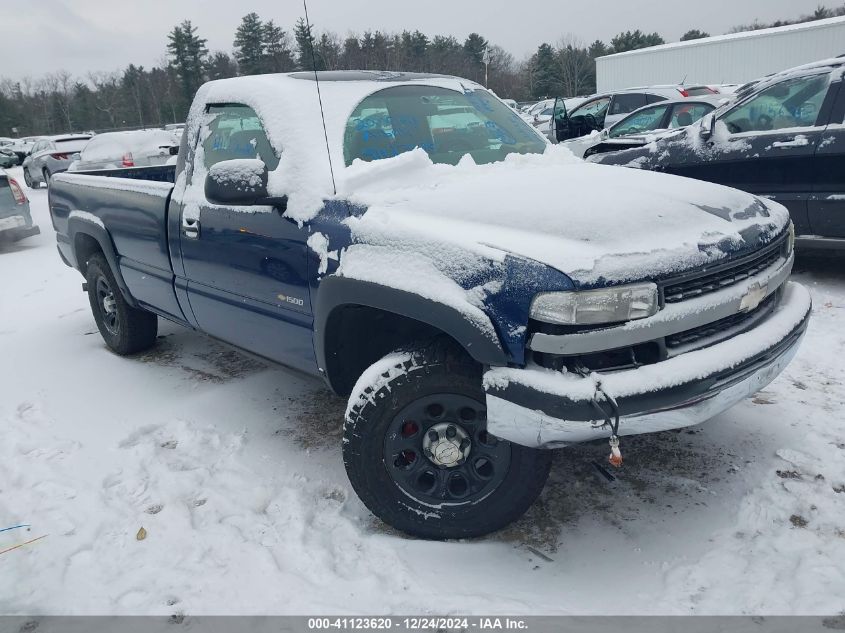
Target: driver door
[(766, 144), (246, 267), (582, 120)]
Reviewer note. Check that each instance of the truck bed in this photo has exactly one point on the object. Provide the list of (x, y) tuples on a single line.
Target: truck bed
[(131, 213)]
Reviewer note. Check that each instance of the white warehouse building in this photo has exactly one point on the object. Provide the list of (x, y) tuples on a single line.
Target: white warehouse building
[(724, 59)]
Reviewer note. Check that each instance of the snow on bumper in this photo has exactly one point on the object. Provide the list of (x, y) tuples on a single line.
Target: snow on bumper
[(546, 408)]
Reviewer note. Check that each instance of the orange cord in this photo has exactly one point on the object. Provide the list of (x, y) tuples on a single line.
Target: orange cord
[(9, 549)]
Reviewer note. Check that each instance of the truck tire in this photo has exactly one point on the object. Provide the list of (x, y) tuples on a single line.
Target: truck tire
[(126, 330), (418, 454)]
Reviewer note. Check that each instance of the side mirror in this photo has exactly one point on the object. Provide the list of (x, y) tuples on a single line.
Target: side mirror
[(174, 150), (605, 133), (241, 181), (708, 126), (76, 156)]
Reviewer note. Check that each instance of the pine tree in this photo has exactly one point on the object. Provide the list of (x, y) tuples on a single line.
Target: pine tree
[(694, 34), (278, 55), (598, 49), (632, 40), (249, 45), (221, 66), (188, 54), (306, 55), (546, 73)]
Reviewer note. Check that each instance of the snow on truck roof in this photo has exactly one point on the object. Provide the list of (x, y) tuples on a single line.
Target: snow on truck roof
[(288, 107), (704, 41), (365, 75)]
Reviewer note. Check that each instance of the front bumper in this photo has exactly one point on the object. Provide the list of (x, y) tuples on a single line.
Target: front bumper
[(545, 408)]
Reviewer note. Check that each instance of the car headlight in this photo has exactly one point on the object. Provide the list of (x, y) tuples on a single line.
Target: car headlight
[(591, 307)]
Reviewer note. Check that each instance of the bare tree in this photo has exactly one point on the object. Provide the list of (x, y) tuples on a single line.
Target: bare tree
[(578, 69), (60, 86), (107, 91)]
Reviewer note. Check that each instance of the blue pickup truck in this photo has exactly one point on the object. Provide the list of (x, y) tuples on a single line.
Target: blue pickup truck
[(396, 236)]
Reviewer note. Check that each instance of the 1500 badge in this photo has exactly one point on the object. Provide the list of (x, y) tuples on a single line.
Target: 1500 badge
[(294, 300)]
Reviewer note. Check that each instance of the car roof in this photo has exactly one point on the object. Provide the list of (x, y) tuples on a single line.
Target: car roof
[(365, 75), (819, 66), (69, 137)]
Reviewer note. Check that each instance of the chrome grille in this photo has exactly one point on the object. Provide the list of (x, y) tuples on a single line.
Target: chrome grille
[(677, 291)]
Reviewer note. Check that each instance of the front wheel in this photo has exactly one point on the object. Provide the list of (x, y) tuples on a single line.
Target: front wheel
[(418, 454), (28, 179), (126, 330)]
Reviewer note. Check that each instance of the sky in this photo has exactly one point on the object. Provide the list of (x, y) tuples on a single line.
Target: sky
[(81, 36)]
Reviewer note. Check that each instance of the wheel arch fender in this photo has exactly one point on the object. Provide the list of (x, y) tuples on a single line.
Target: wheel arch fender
[(86, 238), (337, 294)]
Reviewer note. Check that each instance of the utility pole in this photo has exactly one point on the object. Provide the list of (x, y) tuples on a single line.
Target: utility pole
[(486, 59)]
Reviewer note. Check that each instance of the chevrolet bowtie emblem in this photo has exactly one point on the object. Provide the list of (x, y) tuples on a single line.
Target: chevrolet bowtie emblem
[(755, 295)]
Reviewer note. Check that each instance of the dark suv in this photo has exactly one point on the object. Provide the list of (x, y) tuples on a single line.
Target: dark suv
[(783, 138)]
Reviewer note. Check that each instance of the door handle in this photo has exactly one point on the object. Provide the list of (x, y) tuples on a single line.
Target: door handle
[(796, 141), (191, 227)]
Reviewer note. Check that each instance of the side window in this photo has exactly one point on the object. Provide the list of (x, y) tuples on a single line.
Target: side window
[(235, 131), (644, 121), (654, 98), (627, 102), (684, 114), (791, 103)]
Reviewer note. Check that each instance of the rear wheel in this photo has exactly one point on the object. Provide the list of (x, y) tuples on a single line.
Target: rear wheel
[(28, 179), (45, 174), (126, 330), (418, 454)]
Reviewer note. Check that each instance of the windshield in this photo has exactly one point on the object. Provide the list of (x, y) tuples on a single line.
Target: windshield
[(445, 123)]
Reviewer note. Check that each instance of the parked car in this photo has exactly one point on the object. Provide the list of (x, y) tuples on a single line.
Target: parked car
[(644, 125), (5, 140), (15, 218), (118, 150), (529, 113), (23, 146), (175, 127), (607, 109), (8, 158), (51, 155), (472, 314), (783, 138), (542, 120)]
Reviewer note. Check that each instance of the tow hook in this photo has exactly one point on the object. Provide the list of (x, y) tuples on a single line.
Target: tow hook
[(611, 419)]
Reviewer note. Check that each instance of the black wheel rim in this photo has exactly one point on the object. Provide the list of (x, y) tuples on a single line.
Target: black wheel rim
[(413, 466), (26, 178), (108, 306)]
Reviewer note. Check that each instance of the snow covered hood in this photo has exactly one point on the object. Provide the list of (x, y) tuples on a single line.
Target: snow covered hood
[(588, 221)]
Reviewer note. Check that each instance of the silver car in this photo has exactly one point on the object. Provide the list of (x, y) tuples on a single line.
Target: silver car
[(121, 150), (15, 219), (51, 155)]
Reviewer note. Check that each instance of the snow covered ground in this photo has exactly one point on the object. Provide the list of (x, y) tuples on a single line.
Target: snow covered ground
[(233, 469)]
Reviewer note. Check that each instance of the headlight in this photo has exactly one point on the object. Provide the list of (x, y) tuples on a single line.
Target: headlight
[(790, 241), (590, 307)]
